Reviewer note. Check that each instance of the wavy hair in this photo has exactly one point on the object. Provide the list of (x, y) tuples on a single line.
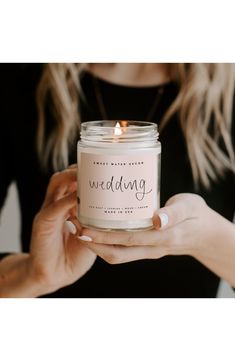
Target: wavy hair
[(204, 104)]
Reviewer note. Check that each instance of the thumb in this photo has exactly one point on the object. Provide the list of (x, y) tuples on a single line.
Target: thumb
[(172, 214)]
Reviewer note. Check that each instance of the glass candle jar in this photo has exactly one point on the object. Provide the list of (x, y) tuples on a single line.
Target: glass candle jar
[(118, 174)]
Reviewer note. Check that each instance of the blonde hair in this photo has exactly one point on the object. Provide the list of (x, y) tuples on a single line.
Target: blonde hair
[(204, 104)]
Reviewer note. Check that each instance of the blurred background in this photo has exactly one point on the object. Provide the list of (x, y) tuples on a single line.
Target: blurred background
[(10, 228)]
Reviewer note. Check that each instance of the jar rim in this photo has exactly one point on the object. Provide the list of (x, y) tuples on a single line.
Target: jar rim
[(123, 124), (131, 131)]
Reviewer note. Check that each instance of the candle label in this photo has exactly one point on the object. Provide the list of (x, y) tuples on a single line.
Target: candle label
[(118, 187)]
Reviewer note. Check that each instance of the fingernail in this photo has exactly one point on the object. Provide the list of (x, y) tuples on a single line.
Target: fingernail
[(164, 219), (85, 238), (71, 227)]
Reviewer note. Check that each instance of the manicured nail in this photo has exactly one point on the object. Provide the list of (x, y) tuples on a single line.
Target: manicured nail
[(164, 219), (85, 238), (71, 227)]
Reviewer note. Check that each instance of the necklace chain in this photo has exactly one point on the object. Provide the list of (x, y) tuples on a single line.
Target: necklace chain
[(103, 110)]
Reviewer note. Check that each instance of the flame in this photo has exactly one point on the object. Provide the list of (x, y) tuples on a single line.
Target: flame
[(117, 129)]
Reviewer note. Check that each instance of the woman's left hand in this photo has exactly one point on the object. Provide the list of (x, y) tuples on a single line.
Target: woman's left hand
[(182, 227)]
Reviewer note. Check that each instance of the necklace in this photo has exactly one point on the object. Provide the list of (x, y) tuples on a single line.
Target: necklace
[(103, 110)]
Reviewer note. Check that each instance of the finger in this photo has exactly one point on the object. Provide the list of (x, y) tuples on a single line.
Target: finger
[(120, 254), (150, 238), (173, 214), (72, 187), (58, 193), (74, 211), (59, 209), (73, 226), (58, 183), (72, 166)]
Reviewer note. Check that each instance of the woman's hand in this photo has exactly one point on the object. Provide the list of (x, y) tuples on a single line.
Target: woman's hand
[(179, 228), (57, 258), (185, 226)]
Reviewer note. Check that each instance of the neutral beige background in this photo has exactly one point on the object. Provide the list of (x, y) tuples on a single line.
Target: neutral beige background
[(10, 227)]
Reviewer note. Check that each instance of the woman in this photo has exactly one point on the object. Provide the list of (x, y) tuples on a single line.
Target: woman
[(192, 103)]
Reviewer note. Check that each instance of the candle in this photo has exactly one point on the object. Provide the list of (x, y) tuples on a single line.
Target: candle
[(118, 174)]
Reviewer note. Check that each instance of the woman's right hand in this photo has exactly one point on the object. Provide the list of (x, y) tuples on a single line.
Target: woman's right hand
[(57, 257)]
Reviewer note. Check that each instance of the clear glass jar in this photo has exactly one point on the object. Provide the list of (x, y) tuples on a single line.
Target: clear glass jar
[(118, 174)]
